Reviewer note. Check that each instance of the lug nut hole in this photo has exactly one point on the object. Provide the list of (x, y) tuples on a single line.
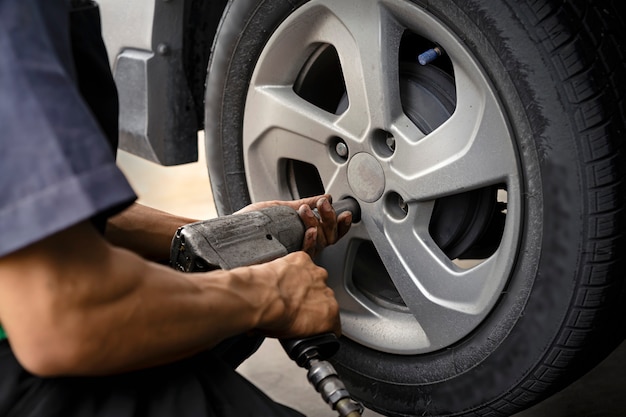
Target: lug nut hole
[(396, 206), (383, 143)]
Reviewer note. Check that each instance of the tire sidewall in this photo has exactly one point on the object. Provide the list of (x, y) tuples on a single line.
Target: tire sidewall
[(509, 346), (243, 32)]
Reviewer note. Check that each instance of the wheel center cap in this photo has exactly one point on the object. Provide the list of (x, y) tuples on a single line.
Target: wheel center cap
[(366, 177)]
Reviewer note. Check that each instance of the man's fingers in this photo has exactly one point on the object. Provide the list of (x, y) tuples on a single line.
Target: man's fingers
[(307, 216), (310, 201), (310, 241), (344, 221), (328, 220), (310, 244)]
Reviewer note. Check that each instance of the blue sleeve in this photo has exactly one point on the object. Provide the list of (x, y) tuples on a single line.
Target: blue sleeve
[(56, 166)]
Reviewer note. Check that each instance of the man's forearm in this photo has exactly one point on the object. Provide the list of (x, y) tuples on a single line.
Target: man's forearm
[(145, 231), (73, 304), (84, 307)]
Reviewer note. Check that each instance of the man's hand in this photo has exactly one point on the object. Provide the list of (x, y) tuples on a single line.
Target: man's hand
[(322, 232), (300, 304)]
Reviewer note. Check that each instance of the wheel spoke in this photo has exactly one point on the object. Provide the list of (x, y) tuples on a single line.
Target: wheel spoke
[(267, 170), (428, 282), (366, 38), (285, 127), (338, 262), (280, 108), (470, 150), (402, 331)]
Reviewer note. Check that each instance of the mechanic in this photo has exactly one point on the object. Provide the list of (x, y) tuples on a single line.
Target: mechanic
[(92, 323)]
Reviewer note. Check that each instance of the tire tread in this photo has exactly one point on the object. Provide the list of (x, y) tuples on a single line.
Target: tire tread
[(598, 102)]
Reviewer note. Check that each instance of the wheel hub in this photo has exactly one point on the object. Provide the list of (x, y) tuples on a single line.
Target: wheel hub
[(366, 177)]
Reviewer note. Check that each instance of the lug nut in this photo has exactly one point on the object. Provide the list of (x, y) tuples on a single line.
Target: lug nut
[(342, 149), (403, 205), (395, 206)]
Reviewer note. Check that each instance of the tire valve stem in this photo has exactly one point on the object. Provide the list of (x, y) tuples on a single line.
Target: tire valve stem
[(322, 375), (429, 56)]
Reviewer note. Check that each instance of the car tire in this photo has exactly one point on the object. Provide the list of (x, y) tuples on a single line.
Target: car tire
[(555, 300)]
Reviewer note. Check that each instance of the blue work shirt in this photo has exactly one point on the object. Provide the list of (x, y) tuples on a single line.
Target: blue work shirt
[(57, 166), (58, 126)]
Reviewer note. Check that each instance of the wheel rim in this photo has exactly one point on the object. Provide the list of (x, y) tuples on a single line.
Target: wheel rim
[(362, 137)]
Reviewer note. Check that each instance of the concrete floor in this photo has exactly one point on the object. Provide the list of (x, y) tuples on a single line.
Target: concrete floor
[(185, 190)]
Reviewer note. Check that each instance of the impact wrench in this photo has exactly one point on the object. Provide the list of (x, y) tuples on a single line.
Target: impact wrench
[(261, 236)]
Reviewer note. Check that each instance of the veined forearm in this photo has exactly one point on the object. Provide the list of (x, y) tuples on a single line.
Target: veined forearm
[(163, 316), (89, 308)]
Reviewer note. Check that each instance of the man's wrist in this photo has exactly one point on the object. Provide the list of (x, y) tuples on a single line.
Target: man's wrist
[(145, 231)]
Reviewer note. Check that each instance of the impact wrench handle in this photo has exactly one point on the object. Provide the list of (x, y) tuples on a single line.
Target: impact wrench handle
[(244, 239), (261, 236)]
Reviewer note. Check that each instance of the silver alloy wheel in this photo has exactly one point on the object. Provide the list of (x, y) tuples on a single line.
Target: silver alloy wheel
[(441, 301)]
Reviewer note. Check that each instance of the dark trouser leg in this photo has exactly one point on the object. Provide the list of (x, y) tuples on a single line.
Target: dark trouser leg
[(202, 386)]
